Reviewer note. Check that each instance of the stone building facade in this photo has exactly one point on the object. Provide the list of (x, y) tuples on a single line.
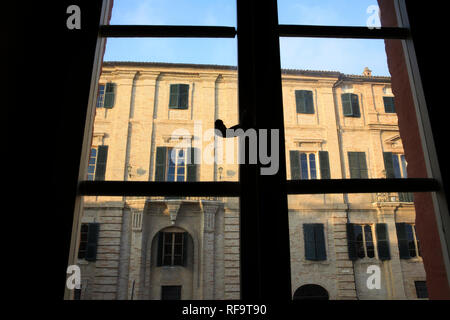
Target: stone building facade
[(336, 126)]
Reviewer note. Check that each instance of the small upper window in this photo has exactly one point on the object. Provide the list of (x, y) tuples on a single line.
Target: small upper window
[(304, 165), (304, 101), (350, 105), (179, 96), (101, 95), (106, 95), (389, 106)]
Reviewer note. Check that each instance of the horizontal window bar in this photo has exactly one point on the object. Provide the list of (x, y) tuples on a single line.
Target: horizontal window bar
[(131, 31), (231, 189), (143, 188), (361, 185), (286, 30)]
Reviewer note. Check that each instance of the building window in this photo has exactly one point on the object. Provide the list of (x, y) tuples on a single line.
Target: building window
[(179, 96), (97, 163), (408, 244), (77, 293), (88, 241), (361, 242), (304, 165), (304, 101), (395, 166), (357, 165), (421, 289), (101, 95), (171, 293), (176, 164), (389, 106), (350, 105), (314, 237), (172, 248)]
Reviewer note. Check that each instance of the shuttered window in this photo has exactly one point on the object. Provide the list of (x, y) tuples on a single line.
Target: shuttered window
[(389, 106), (304, 101), (360, 241), (100, 95), (421, 289), (179, 96), (92, 239), (176, 164), (110, 95), (83, 240), (384, 252), (408, 244), (314, 238), (395, 167), (350, 105), (304, 166), (357, 165)]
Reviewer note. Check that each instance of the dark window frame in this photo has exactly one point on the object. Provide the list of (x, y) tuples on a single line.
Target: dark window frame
[(251, 29)]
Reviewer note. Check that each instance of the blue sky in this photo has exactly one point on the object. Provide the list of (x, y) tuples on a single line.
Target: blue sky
[(344, 55)]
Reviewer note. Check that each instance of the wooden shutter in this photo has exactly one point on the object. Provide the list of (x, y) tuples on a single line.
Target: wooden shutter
[(363, 165), (192, 166), (185, 248), (351, 242), (320, 241), (300, 101), (382, 241), (402, 241), (389, 106), (355, 105), (347, 104), (357, 165), (110, 92), (100, 169), (183, 102), (310, 244), (160, 164), (92, 238), (159, 257), (324, 165), (174, 94), (309, 102), (295, 165), (388, 165)]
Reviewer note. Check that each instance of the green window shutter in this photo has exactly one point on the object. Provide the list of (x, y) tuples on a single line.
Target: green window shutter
[(295, 165), (388, 165), (351, 242), (402, 241), (185, 248), (319, 235), (192, 167), (159, 257), (347, 104), (160, 163), (324, 165), (382, 241), (389, 106), (355, 105), (100, 169), (92, 239), (183, 102), (310, 244), (174, 93), (304, 101), (110, 93), (300, 101), (357, 165)]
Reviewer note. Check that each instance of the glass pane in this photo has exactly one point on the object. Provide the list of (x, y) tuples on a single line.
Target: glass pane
[(140, 129), (205, 263), (356, 139), (174, 12), (347, 273), (329, 12)]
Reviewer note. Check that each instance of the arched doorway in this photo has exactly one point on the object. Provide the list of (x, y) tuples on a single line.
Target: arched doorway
[(311, 292)]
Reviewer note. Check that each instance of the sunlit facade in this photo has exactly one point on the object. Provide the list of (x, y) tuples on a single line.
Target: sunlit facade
[(337, 126)]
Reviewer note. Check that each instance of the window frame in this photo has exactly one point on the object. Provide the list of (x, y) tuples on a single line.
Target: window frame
[(250, 29)]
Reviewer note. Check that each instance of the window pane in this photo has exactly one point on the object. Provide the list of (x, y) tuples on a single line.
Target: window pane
[(329, 12), (174, 12), (140, 119), (349, 80), (195, 231), (340, 276)]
